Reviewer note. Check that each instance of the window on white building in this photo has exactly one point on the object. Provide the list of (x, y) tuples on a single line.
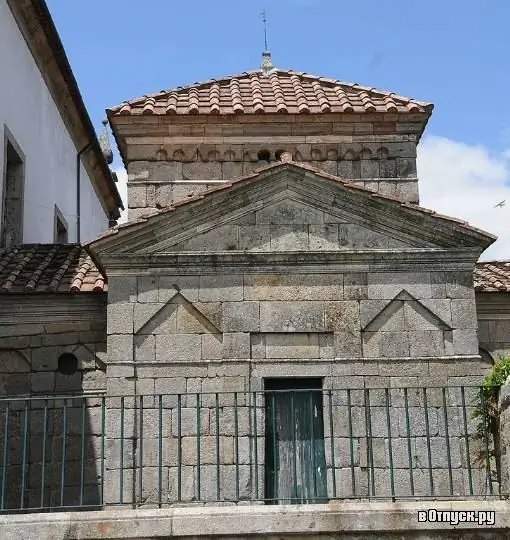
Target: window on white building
[(60, 236), (12, 193)]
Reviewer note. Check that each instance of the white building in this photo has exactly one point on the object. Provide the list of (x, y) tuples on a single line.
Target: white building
[(45, 132)]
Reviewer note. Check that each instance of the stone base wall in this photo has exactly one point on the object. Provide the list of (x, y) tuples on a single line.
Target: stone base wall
[(43, 433), (171, 449), (349, 521), (194, 334)]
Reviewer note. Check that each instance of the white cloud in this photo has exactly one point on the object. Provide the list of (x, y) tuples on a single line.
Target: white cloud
[(456, 179), (465, 182)]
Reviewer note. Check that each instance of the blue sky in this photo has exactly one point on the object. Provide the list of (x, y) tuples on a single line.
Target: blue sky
[(454, 53)]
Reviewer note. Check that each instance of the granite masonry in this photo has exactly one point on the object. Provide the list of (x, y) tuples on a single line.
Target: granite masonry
[(271, 249)]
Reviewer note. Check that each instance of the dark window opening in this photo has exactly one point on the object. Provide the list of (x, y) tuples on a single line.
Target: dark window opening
[(61, 235), (12, 208), (264, 155), (278, 154), (295, 459), (67, 364)]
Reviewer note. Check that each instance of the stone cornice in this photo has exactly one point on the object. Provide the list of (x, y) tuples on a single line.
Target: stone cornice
[(51, 308), (302, 262), (492, 305)]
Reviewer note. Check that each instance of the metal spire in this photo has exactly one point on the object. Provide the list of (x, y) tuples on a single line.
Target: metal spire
[(267, 65), (264, 21)]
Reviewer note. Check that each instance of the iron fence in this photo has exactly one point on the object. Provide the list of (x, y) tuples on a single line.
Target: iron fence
[(270, 447)]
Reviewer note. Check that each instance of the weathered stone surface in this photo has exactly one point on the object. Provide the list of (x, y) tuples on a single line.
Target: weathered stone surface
[(254, 238), (394, 344), (236, 345), (155, 318), (381, 315), (292, 345), (342, 315), (354, 236), (147, 289), (464, 314), (220, 288), (202, 171), (465, 342), (240, 316), (426, 343), (144, 348), (348, 344), (289, 212), (355, 286), (212, 346), (387, 285), (289, 237), (293, 287), (178, 348), (120, 347), (120, 318), (137, 196), (218, 239), (323, 236), (186, 285), (291, 317)]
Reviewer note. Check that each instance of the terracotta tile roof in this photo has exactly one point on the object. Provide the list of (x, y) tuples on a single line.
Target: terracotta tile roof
[(48, 268), (492, 276), (283, 91), (299, 165)]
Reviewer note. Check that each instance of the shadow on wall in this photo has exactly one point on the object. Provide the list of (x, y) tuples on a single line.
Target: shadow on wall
[(50, 447)]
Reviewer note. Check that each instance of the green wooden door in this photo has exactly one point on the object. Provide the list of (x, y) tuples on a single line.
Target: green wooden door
[(295, 464)]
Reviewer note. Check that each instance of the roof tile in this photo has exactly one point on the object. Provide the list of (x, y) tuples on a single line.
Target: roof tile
[(282, 91), (493, 276), (48, 268)]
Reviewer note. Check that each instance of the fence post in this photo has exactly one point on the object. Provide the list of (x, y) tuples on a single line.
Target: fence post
[(504, 425)]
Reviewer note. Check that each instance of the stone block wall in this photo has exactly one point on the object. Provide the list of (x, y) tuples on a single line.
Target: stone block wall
[(36, 333), (287, 226), (215, 333), (196, 157), (493, 312)]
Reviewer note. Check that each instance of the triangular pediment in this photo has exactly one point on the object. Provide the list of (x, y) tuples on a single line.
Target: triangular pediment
[(289, 208)]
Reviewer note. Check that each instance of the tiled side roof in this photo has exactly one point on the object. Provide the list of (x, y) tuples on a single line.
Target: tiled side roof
[(48, 268), (493, 276), (283, 91)]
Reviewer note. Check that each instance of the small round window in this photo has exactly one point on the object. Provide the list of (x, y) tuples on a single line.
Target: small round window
[(67, 364)]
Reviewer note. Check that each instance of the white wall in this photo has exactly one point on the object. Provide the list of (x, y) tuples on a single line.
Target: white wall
[(28, 110)]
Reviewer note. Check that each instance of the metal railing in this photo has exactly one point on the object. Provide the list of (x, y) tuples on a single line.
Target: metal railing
[(272, 447)]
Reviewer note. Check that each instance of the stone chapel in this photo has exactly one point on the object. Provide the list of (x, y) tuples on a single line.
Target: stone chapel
[(275, 243)]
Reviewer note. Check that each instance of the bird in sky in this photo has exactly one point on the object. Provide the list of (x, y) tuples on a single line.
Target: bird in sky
[(500, 204)]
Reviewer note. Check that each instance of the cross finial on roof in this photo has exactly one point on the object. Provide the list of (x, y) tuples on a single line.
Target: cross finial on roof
[(267, 65), (264, 21)]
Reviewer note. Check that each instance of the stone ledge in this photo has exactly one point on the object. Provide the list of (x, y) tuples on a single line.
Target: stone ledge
[(386, 519)]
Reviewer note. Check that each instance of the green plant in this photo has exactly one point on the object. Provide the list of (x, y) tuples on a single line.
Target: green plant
[(486, 410)]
